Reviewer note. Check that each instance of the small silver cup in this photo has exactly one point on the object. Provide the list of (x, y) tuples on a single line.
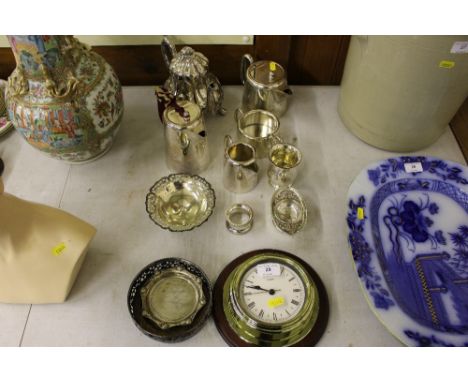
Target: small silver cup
[(284, 163), (240, 172)]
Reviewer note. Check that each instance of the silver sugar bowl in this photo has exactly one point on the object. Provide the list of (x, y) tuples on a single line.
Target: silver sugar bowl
[(190, 79)]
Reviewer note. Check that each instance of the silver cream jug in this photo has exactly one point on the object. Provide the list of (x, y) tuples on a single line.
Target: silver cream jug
[(240, 172), (265, 86), (186, 139)]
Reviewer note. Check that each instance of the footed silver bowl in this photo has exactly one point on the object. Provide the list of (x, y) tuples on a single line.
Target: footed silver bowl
[(180, 202)]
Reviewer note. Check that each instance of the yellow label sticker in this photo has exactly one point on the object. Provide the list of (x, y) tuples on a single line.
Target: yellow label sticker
[(446, 64), (360, 213), (58, 249), (275, 301), (272, 66)]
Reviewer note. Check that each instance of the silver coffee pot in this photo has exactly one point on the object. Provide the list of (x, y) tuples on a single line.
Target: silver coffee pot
[(190, 79), (265, 86)]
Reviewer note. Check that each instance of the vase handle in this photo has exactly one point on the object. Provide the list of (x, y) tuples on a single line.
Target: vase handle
[(168, 50)]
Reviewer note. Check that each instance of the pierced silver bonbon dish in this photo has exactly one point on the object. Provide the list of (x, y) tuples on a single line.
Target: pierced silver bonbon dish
[(180, 202)]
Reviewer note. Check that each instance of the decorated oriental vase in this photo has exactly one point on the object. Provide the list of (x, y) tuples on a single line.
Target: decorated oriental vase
[(64, 99)]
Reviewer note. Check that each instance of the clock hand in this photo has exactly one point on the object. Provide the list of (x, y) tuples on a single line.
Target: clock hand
[(258, 287), (254, 293)]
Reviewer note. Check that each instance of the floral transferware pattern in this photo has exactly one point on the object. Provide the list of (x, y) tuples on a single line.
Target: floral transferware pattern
[(408, 233)]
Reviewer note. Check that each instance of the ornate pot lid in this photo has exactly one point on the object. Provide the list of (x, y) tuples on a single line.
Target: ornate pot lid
[(189, 63)]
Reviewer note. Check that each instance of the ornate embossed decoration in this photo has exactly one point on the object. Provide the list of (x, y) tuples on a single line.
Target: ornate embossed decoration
[(408, 232), (64, 99)]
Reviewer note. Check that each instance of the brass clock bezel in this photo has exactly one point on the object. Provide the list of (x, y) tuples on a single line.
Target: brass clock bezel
[(239, 328)]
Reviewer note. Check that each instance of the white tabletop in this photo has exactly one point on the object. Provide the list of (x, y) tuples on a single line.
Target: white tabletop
[(110, 194)]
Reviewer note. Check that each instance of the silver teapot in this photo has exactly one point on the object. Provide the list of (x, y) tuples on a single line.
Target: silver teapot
[(190, 79), (265, 86)]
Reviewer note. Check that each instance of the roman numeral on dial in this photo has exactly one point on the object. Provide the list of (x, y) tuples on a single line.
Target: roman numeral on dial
[(274, 316), (251, 305), (294, 302), (296, 290), (261, 313)]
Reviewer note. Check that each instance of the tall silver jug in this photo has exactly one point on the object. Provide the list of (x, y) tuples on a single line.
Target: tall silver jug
[(186, 139)]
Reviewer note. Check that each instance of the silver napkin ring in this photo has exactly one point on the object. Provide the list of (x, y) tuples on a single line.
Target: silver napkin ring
[(239, 219)]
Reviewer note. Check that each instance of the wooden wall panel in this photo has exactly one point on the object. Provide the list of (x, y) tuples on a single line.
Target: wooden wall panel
[(317, 60), (144, 65), (459, 125), (275, 48), (7, 62)]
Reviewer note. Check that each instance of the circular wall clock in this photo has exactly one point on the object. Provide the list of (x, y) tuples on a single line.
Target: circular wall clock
[(270, 298)]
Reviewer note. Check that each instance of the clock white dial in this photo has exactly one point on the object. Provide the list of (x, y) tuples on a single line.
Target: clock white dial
[(272, 297)]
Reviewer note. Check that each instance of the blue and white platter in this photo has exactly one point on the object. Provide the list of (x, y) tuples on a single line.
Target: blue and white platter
[(408, 232)]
